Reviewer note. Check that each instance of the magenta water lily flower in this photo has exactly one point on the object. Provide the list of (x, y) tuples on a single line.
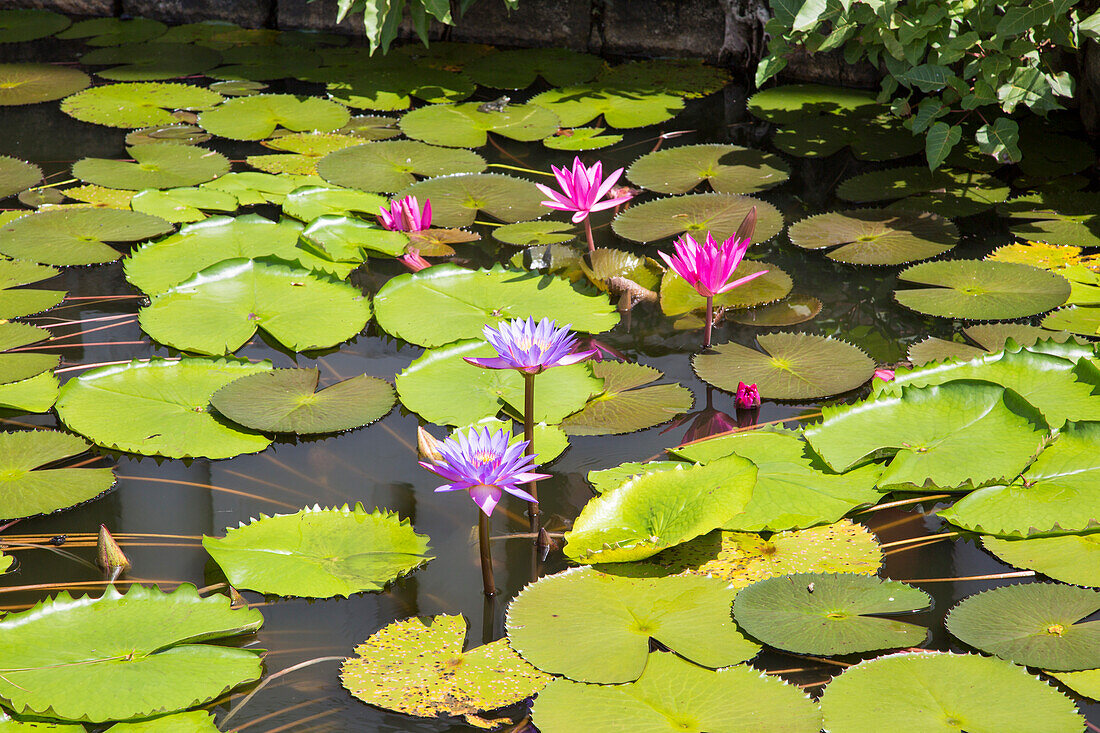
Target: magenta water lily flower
[(530, 347), (747, 397), (884, 374), (708, 267), (414, 261), (581, 190), (404, 215), (484, 465)]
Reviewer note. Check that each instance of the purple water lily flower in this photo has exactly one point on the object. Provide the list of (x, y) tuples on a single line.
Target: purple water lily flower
[(530, 347), (485, 465), (404, 215)]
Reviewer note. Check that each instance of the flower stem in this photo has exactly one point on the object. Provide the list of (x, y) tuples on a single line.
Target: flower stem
[(486, 554), (588, 233), (529, 436), (710, 322)]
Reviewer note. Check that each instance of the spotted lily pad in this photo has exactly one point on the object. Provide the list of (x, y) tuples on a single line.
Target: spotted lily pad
[(114, 31), (34, 83), (258, 116), (792, 102), (417, 667), (620, 107), (183, 204), (27, 489), (626, 404), (719, 213), (137, 104), (466, 126), (555, 622), (17, 175), (319, 553), (981, 289), (287, 401), (518, 69), (534, 233), (155, 166), (29, 24), (393, 88), (876, 236), (151, 61), (76, 236), (457, 199), (725, 168), (392, 165), (581, 138), (1070, 558)]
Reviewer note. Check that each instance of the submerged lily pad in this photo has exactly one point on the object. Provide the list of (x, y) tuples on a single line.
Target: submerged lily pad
[(144, 641), (518, 69), (792, 310), (937, 692), (556, 622), (29, 24), (581, 138), (34, 83), (417, 667), (257, 117), (27, 489), (158, 407), (792, 102), (621, 108), (319, 553), (17, 175), (792, 366), (151, 61), (719, 213), (466, 126), (725, 168), (76, 236), (535, 233), (876, 236), (1071, 558), (981, 289), (287, 401), (137, 104), (155, 166), (393, 165), (626, 404)]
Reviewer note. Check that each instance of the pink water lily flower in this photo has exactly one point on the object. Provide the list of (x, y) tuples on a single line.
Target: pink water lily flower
[(709, 267), (884, 374), (748, 396), (530, 347), (414, 261), (581, 190), (404, 215)]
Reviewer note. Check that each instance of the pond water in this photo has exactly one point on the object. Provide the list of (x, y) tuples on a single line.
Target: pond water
[(160, 508)]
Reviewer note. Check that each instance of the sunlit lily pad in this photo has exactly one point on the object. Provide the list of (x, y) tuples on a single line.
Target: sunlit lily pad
[(304, 150), (114, 31), (465, 126), (457, 199), (1034, 624), (392, 165), (17, 175), (557, 621), (76, 236), (29, 24), (603, 266), (39, 197), (155, 166), (24, 365), (393, 88), (792, 366), (252, 187), (137, 104), (689, 78), (151, 61), (533, 233), (16, 302), (937, 692), (677, 297), (349, 239), (309, 202), (36, 394), (792, 102), (518, 69), (792, 310), (1057, 219), (719, 213), (180, 133), (429, 384), (1083, 320), (27, 489), (287, 401), (626, 404), (181, 205), (945, 192), (621, 108), (417, 667), (145, 642), (34, 83), (194, 721), (14, 335), (550, 440), (1070, 558), (876, 236), (100, 197), (981, 289), (1085, 683), (158, 407), (725, 168), (581, 138), (732, 700), (319, 553), (257, 117)]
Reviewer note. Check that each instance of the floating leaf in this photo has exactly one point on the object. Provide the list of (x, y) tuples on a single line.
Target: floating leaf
[(264, 62), (17, 367), (29, 24), (257, 117), (222, 307), (876, 236), (319, 553), (158, 407), (393, 88), (393, 165), (345, 239), (677, 297), (456, 199), (580, 138), (1085, 683), (621, 108), (945, 192), (725, 168), (556, 621), (34, 83), (144, 641), (534, 233), (17, 302), (27, 489), (689, 78), (417, 667), (36, 394), (1057, 218), (14, 335), (137, 104), (195, 721), (309, 202), (518, 69), (466, 126), (114, 31), (1034, 624), (429, 384), (17, 175), (287, 401), (151, 61), (182, 204), (155, 166), (100, 197), (792, 310), (626, 404), (719, 213), (937, 692), (792, 366), (305, 150), (76, 236), (989, 336), (251, 187), (1070, 559), (981, 289), (792, 102)]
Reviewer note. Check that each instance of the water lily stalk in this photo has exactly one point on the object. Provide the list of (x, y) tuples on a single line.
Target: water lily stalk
[(588, 233), (487, 583), (529, 436), (710, 322)]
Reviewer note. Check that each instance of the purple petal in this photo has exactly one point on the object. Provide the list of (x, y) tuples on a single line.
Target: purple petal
[(490, 362)]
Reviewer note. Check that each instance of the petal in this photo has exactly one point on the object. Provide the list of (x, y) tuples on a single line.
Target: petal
[(608, 183), (486, 497), (516, 491), (742, 281), (575, 357), (490, 362)]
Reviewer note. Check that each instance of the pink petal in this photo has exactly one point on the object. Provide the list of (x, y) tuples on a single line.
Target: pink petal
[(742, 281)]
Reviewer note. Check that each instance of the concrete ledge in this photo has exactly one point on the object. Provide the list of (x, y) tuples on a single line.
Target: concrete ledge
[(68, 7), (663, 28), (564, 23), (248, 13), (319, 15)]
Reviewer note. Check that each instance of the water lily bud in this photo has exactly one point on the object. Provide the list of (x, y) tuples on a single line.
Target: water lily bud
[(235, 598), (884, 374), (427, 446), (109, 555), (748, 396)]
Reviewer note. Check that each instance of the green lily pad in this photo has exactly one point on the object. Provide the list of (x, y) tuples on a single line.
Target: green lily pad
[(100, 197), (222, 307), (1056, 218), (17, 175), (626, 404), (16, 302), (144, 641), (1085, 683), (251, 187), (36, 394), (794, 309), (76, 236), (265, 62), (793, 102), (13, 335), (621, 108), (719, 213), (158, 407), (393, 165), (429, 384), (287, 401), (34, 83), (989, 337), (137, 104), (309, 202), (792, 366), (114, 31), (446, 302), (1034, 624), (348, 239), (319, 553), (1057, 493), (638, 519), (17, 367), (465, 126), (371, 127), (945, 192), (179, 133), (688, 78), (876, 236), (677, 297), (871, 138), (26, 489), (156, 166), (457, 199), (195, 721), (725, 168), (581, 138), (151, 61), (891, 183), (556, 622), (257, 117), (604, 266), (1070, 558), (30, 24), (676, 695), (818, 613), (182, 205), (534, 233), (1083, 320), (417, 667), (981, 289), (937, 692), (520, 68), (305, 150), (392, 89)]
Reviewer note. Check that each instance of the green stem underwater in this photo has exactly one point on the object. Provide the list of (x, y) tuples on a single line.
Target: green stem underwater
[(486, 554), (529, 436)]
